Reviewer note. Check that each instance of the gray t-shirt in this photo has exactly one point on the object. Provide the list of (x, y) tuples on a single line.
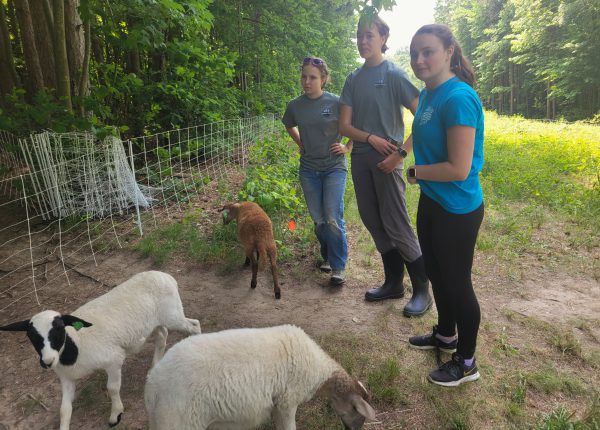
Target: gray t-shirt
[(376, 95), (317, 121)]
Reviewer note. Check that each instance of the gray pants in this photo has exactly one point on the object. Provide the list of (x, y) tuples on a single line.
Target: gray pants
[(382, 206)]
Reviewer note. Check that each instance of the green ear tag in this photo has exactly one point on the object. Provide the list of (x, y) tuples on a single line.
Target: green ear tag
[(77, 325)]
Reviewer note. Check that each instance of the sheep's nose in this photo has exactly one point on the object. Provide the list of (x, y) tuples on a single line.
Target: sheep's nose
[(47, 362)]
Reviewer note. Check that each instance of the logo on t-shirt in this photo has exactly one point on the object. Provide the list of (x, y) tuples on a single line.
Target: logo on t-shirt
[(326, 110), (426, 116), (379, 82)]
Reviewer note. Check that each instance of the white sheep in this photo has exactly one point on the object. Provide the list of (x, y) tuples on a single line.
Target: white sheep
[(255, 231), (101, 333), (237, 379)]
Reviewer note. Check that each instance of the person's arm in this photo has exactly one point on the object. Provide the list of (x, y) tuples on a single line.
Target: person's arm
[(347, 129), (295, 135), (461, 143), (393, 160)]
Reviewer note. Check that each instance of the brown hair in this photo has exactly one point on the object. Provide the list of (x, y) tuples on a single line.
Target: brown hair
[(382, 27), (459, 65), (320, 64)]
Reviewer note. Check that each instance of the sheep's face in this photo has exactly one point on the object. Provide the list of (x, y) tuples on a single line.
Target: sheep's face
[(353, 408), (47, 334), (230, 212)]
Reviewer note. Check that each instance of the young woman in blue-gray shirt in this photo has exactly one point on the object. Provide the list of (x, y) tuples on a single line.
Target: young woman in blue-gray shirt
[(311, 120), (448, 147)]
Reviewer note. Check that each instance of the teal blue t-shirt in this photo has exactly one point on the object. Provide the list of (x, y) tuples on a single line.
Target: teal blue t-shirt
[(450, 104)]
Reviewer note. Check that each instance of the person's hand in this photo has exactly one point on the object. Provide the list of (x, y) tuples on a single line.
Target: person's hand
[(338, 149), (381, 145), (390, 163), (411, 181)]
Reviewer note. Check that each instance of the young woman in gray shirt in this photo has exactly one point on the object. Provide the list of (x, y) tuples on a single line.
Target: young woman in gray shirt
[(371, 115), (312, 122)]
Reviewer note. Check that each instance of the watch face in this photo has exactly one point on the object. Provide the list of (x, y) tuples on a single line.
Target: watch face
[(402, 152), (412, 172)]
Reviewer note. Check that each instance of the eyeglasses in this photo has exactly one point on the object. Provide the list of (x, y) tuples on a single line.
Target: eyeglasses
[(313, 61)]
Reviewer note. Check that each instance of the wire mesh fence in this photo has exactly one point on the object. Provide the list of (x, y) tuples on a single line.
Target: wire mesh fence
[(65, 198)]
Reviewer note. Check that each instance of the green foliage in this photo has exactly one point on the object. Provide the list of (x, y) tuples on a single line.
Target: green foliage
[(545, 165), (562, 419), (183, 238), (534, 58), (272, 179), (549, 380), (383, 384), (44, 112)]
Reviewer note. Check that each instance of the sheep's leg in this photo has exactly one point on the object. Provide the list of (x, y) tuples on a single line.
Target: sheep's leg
[(66, 406), (113, 385), (273, 260), (160, 343), (247, 261), (284, 417), (254, 261)]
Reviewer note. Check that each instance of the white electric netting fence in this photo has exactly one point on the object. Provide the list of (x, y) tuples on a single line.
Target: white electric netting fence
[(65, 197)]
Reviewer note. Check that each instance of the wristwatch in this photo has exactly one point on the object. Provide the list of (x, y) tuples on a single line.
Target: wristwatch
[(402, 152), (412, 172)]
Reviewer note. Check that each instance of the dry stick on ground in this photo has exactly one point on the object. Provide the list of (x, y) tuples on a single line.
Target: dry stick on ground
[(85, 275), (38, 401)]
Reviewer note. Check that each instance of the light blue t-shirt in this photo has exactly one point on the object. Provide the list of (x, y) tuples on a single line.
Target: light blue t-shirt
[(450, 104)]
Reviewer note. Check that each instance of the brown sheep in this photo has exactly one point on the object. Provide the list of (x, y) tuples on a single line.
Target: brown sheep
[(255, 231)]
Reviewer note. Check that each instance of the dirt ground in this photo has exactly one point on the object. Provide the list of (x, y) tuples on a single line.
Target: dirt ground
[(30, 395)]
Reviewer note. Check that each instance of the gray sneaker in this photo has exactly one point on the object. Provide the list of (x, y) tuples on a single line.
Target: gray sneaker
[(325, 267), (337, 277)]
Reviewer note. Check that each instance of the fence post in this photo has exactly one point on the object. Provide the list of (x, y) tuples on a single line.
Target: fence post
[(37, 299), (137, 205)]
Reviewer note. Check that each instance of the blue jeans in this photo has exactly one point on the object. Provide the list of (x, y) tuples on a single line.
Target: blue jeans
[(324, 194)]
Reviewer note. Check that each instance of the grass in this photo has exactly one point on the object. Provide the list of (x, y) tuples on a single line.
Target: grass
[(542, 199)]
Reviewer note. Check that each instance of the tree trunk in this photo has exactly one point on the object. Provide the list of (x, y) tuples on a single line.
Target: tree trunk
[(60, 49), (548, 104), (43, 42), (511, 72), (35, 81), (75, 41), (8, 74), (14, 26), (84, 81)]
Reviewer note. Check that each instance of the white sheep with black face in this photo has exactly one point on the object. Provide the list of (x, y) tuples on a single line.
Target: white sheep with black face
[(101, 333), (238, 379)]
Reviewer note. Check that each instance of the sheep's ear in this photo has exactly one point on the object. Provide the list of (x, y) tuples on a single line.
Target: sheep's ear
[(75, 322), (363, 408), (16, 326)]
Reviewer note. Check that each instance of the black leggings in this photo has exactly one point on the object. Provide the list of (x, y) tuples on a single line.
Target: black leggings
[(448, 244)]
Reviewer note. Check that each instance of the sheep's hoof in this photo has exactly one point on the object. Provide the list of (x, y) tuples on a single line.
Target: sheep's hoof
[(118, 420), (252, 284), (278, 295)]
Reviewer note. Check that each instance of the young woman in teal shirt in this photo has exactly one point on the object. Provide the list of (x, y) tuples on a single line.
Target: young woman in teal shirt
[(448, 147)]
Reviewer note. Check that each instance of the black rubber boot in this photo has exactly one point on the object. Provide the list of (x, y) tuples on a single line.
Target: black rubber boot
[(421, 300), (392, 288)]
